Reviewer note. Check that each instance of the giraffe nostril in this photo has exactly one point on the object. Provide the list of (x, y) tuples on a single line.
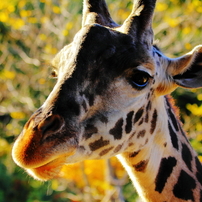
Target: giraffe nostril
[(51, 124)]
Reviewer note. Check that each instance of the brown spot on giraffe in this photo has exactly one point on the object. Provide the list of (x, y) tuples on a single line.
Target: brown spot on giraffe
[(166, 168), (146, 141), (187, 156), (147, 117), (138, 114), (117, 130), (118, 148), (129, 125), (97, 144), (141, 134), (141, 166), (105, 151), (89, 131), (184, 187), (141, 122), (149, 106), (173, 136), (153, 121), (134, 154)]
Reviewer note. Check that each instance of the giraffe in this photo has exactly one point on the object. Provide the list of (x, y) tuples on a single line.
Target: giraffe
[(112, 98)]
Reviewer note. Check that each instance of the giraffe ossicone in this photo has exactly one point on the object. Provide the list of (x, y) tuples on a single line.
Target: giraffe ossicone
[(111, 99)]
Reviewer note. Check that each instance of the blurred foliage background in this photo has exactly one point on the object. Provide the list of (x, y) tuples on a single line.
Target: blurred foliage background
[(31, 33)]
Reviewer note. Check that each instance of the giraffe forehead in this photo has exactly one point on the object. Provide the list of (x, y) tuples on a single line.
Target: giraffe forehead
[(97, 47)]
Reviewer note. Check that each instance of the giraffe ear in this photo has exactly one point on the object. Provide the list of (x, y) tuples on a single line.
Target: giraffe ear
[(187, 70)]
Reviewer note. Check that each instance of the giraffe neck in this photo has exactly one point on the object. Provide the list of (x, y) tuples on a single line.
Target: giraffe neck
[(166, 168)]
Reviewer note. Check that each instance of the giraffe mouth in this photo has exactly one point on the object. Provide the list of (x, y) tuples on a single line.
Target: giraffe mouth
[(42, 163), (41, 159), (49, 170)]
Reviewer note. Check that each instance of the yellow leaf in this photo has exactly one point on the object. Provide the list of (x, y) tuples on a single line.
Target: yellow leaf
[(4, 16), (25, 13), (44, 19), (69, 25), (54, 184), (200, 158), (161, 6), (43, 37), (56, 9), (199, 137), (21, 3), (17, 115), (199, 9), (42, 81), (6, 74), (199, 97), (173, 22), (195, 109), (65, 32), (4, 146), (188, 46), (32, 20), (11, 8), (16, 23), (199, 127), (186, 30)]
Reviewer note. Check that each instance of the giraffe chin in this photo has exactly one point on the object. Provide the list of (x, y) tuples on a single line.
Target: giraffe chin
[(49, 170)]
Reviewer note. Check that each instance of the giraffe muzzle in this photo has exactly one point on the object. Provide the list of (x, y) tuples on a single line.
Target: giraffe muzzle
[(35, 144)]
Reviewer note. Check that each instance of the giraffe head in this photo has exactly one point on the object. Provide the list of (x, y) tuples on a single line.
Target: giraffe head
[(107, 79)]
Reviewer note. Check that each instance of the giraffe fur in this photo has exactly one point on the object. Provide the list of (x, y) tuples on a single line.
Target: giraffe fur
[(111, 99)]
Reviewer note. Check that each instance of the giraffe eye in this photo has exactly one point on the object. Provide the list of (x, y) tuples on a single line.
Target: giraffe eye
[(140, 79), (54, 74)]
